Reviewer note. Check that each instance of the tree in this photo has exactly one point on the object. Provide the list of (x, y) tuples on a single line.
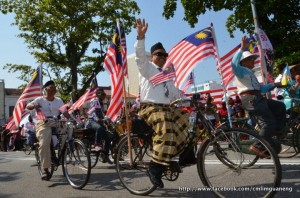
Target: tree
[(280, 19), (70, 37)]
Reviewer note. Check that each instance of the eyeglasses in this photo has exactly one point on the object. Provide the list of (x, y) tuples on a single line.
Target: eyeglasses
[(161, 54)]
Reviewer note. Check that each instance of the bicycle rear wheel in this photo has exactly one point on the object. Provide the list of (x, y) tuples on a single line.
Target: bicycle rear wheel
[(231, 170), (94, 155), (39, 165), (76, 164), (134, 176), (27, 148)]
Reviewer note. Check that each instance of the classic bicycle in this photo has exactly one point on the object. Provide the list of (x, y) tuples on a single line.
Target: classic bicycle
[(88, 137), (223, 161), (289, 138), (27, 148), (71, 153)]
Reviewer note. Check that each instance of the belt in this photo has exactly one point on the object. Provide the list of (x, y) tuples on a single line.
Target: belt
[(250, 92), (155, 104), (49, 117)]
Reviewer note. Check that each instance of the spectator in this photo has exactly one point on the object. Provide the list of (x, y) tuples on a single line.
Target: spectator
[(211, 110)]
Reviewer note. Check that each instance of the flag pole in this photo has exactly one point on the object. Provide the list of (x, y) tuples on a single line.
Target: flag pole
[(263, 68), (221, 73), (125, 106)]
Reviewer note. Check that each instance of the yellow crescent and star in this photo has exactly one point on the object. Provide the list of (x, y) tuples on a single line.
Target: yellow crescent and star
[(204, 34), (115, 41)]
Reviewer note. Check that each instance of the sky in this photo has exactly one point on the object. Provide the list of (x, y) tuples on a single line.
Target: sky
[(169, 32)]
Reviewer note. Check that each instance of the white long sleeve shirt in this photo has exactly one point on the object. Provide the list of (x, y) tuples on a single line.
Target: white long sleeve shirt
[(147, 69)]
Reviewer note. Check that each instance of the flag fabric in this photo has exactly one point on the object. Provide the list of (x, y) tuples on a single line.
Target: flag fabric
[(65, 106), (88, 96), (10, 123), (124, 50), (188, 83), (189, 51), (32, 90), (91, 110), (286, 76), (113, 63), (166, 74), (39, 115), (225, 68)]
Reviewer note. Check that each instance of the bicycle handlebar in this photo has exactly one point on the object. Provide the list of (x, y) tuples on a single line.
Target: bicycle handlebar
[(180, 100)]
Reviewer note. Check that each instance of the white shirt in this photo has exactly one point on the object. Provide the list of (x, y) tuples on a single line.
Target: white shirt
[(147, 69), (49, 108), (29, 127)]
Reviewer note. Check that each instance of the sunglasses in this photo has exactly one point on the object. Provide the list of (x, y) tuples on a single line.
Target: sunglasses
[(161, 54)]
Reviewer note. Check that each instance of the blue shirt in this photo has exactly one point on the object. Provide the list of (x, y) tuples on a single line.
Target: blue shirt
[(245, 78)]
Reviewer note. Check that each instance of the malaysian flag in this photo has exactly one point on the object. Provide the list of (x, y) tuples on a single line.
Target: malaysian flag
[(225, 68), (189, 51), (166, 74), (65, 106), (32, 90), (188, 83), (113, 62), (10, 123), (124, 50), (89, 95)]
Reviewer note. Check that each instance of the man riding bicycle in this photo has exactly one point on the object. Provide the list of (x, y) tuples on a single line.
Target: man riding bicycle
[(270, 113), (49, 106), (169, 123)]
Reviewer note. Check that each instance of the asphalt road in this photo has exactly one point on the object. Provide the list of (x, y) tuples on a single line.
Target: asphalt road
[(19, 179)]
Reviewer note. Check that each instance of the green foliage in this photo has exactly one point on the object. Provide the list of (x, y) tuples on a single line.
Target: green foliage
[(69, 36), (280, 19)]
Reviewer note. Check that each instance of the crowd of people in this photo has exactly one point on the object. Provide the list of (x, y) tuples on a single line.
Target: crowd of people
[(170, 124)]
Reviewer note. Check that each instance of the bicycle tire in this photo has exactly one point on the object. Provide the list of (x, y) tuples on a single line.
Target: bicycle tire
[(290, 143), (236, 178), (38, 161), (134, 176), (93, 154), (239, 142), (76, 164), (27, 148)]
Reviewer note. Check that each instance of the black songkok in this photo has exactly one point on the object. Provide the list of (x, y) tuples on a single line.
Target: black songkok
[(50, 82), (156, 47)]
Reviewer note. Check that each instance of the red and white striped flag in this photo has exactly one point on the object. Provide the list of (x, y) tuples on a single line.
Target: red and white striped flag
[(32, 90), (189, 51), (166, 74), (88, 96), (65, 106), (124, 50), (188, 83), (10, 123), (113, 62), (225, 68)]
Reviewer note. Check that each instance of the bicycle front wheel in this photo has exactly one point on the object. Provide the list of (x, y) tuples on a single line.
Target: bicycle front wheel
[(39, 164), (228, 168), (134, 175), (76, 164)]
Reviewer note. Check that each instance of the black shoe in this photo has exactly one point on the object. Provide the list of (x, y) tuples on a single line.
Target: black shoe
[(106, 160), (45, 175), (155, 180)]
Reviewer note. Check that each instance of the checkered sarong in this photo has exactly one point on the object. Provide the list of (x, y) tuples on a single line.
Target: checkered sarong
[(170, 126)]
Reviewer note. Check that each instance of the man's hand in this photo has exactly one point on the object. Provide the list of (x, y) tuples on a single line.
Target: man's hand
[(141, 28), (244, 43)]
